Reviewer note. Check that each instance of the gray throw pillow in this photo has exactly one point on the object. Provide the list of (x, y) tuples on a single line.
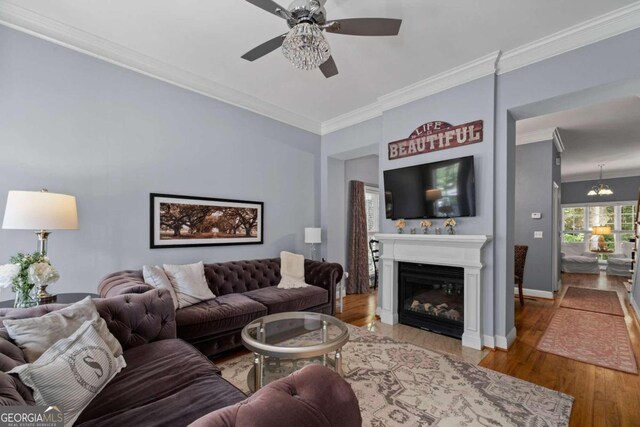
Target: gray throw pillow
[(72, 371), (35, 335), (189, 283)]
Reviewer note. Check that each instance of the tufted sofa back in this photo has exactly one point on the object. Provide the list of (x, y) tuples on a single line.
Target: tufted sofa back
[(134, 319)]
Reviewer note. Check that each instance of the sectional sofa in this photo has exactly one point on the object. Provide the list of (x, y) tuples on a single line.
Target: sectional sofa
[(168, 382), (244, 290)]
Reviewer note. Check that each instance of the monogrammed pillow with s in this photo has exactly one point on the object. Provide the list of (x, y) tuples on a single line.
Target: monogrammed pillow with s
[(72, 371)]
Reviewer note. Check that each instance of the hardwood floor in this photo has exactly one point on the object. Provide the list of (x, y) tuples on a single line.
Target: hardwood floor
[(603, 397)]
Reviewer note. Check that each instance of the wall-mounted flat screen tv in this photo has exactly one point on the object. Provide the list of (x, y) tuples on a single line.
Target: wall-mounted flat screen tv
[(432, 190)]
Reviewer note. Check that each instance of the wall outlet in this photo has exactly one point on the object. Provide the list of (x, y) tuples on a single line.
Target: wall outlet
[(537, 234), (536, 215)]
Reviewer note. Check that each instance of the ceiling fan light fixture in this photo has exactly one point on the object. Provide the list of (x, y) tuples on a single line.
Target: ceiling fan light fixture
[(305, 46)]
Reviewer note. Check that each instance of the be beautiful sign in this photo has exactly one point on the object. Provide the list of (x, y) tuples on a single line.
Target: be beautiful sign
[(436, 136)]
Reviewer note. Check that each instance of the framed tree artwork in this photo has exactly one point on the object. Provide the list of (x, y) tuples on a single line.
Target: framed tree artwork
[(186, 221)]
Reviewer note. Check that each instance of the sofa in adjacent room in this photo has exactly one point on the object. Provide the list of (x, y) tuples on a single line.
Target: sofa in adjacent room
[(244, 291), (168, 382), (576, 260), (619, 265)]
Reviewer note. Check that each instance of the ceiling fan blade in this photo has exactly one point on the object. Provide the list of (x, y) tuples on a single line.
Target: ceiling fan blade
[(329, 67), (365, 26), (271, 7), (265, 48)]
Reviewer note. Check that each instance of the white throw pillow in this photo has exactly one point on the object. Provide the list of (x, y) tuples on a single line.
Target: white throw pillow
[(156, 277), (36, 334), (291, 271), (71, 372), (189, 283)]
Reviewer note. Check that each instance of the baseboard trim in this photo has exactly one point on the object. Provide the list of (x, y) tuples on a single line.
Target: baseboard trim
[(503, 342), (635, 306), (534, 293), (489, 341)]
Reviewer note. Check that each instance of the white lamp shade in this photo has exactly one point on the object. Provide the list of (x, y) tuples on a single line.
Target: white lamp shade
[(313, 235), (36, 210)]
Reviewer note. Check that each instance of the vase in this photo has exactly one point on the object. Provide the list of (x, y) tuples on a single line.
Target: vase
[(451, 230), (425, 230), (24, 299), (400, 230)]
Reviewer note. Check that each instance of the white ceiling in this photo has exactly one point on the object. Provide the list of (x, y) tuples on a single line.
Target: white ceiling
[(207, 38), (606, 133)]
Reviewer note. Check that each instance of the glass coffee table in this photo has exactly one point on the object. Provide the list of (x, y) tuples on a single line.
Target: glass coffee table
[(284, 342)]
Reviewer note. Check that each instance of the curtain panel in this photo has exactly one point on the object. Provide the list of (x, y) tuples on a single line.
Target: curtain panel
[(358, 282)]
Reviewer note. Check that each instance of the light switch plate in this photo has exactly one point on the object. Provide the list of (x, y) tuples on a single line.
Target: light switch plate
[(536, 215), (537, 234)]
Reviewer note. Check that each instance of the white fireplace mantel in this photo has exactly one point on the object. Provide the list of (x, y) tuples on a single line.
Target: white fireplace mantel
[(456, 250)]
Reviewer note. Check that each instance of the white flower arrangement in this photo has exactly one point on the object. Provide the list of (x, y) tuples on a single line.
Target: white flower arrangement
[(425, 223), (8, 273), (42, 274), (400, 225)]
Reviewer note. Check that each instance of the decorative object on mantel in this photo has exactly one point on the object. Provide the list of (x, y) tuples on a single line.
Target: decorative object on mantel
[(450, 223), (186, 221), (400, 225), (438, 231), (436, 136), (27, 272), (425, 224), (413, 230), (313, 236), (601, 189)]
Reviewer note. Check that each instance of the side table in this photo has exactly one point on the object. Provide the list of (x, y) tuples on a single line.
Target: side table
[(60, 299)]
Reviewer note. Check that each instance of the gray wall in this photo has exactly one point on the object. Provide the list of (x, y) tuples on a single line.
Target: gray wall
[(535, 166), (624, 189), (109, 136), (576, 78)]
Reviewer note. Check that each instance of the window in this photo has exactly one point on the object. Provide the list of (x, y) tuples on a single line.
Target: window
[(578, 223), (372, 209), (573, 225)]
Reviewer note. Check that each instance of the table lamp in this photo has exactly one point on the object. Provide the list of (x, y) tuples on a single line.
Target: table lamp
[(601, 231), (40, 211), (313, 236)]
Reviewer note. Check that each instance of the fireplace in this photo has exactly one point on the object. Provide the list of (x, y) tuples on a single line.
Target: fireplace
[(431, 297)]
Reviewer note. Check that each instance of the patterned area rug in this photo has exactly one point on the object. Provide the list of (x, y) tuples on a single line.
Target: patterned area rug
[(596, 338), (598, 301), (399, 384)]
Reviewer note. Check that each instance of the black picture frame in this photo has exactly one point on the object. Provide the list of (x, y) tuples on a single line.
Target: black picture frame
[(221, 213)]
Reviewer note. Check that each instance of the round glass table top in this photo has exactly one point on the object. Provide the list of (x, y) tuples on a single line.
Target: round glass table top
[(295, 334)]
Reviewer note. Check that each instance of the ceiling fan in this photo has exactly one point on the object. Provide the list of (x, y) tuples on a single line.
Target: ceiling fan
[(304, 45)]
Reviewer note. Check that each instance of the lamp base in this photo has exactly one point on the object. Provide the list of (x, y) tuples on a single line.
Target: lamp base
[(43, 238)]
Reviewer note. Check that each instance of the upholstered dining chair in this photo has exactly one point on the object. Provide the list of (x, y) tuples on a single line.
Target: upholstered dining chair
[(520, 259)]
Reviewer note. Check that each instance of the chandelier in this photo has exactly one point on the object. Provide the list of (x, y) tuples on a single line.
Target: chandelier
[(601, 189), (305, 46)]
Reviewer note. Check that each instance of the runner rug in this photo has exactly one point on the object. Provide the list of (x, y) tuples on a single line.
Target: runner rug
[(596, 338), (400, 384), (598, 301)]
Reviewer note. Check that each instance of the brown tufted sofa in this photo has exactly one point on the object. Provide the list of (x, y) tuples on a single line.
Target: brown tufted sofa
[(245, 290), (168, 382)]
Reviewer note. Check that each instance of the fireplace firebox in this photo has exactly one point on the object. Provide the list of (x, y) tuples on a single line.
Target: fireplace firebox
[(431, 297)]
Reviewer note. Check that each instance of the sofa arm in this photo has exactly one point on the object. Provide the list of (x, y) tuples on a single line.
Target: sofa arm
[(314, 396), (325, 275), (123, 282), (137, 319)]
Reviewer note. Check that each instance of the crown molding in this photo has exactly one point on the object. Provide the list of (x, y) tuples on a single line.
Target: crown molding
[(351, 118), (481, 67), (539, 135), (465, 73), (591, 31), (557, 141), (48, 29)]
